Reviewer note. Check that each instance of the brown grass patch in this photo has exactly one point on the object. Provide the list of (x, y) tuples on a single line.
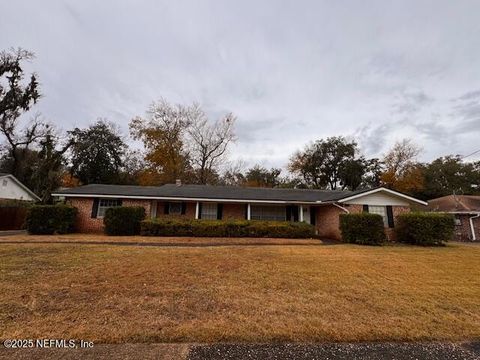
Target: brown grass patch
[(258, 294), (100, 238)]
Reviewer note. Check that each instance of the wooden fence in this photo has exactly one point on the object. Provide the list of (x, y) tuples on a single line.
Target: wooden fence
[(12, 217)]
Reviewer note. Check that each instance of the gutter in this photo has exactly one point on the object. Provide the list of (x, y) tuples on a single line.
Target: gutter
[(344, 209), (472, 228)]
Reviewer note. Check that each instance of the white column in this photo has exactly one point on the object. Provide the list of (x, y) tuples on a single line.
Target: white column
[(153, 209), (197, 210), (300, 215), (248, 211)]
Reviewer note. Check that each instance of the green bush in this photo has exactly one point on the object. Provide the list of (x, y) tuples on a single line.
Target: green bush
[(226, 228), (422, 228), (123, 220), (362, 228), (50, 219)]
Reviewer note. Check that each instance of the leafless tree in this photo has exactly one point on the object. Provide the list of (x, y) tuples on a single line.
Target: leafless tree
[(208, 141)]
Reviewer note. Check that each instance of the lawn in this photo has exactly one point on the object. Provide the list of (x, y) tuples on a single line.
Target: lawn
[(304, 293)]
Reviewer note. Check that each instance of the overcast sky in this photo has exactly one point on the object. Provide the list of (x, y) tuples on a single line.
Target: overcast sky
[(291, 71)]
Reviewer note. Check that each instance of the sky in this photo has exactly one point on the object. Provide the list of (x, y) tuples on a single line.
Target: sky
[(291, 71)]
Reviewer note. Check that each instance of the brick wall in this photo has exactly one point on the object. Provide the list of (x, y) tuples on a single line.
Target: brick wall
[(463, 231), (327, 221), (86, 224), (234, 211)]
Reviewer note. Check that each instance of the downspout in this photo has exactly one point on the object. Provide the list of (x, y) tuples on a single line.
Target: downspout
[(472, 228), (342, 208)]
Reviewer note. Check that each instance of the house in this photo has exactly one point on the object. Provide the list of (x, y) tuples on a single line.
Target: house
[(320, 208), (466, 209), (12, 189)]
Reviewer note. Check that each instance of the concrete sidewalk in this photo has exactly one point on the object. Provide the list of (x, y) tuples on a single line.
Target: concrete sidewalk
[(332, 351)]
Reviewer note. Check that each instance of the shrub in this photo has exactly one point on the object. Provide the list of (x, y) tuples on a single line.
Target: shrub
[(228, 228), (423, 228), (50, 219), (362, 228), (123, 220)]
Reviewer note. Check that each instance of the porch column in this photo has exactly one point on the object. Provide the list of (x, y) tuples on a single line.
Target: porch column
[(197, 209), (153, 209), (300, 215), (248, 211)]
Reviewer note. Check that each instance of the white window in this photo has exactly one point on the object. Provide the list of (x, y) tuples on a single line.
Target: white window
[(379, 210), (104, 204), (458, 221), (4, 183), (175, 208), (209, 211), (268, 212)]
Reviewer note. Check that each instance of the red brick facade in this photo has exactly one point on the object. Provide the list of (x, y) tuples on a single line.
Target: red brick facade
[(87, 224), (463, 231), (326, 223), (234, 211)]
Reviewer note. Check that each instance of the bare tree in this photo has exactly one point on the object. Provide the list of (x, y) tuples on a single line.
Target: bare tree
[(208, 141)]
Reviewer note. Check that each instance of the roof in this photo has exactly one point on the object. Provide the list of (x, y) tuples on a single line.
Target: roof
[(207, 192), (20, 184), (455, 204)]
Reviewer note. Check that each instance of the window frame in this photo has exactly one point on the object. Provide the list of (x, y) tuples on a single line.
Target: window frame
[(176, 203), (384, 215), (103, 208), (263, 217), (213, 214)]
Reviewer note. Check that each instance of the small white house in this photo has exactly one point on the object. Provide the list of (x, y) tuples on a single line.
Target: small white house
[(12, 189)]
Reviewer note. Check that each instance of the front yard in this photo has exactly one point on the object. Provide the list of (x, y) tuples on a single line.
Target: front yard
[(106, 293)]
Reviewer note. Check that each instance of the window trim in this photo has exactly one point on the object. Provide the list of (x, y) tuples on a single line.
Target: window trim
[(254, 217), (384, 215), (100, 207), (207, 204), (179, 203)]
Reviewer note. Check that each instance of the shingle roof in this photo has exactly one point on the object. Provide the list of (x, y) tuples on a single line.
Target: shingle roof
[(455, 203), (4, 174), (210, 192)]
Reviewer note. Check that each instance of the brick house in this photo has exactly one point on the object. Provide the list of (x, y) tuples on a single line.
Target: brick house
[(320, 208), (466, 209)]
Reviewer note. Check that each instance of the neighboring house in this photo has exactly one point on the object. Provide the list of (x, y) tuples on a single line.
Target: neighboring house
[(466, 209), (320, 208), (12, 189)]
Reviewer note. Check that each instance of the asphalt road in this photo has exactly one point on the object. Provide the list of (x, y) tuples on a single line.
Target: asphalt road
[(331, 351), (370, 351)]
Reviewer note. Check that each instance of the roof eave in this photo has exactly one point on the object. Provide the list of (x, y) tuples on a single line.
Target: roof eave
[(180, 198), (373, 191)]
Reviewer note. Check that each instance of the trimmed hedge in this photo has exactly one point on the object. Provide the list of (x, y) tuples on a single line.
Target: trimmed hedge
[(425, 228), (123, 220), (226, 228), (362, 228), (50, 219)]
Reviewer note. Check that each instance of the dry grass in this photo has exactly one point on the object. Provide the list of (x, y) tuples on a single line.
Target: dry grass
[(284, 293), (100, 238)]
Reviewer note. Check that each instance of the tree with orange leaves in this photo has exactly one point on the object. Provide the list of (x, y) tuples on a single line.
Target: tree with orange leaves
[(402, 170)]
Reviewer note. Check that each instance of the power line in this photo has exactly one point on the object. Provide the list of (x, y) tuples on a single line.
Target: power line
[(473, 153)]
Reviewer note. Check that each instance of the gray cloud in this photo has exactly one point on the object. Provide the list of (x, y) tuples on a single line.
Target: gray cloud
[(292, 71)]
